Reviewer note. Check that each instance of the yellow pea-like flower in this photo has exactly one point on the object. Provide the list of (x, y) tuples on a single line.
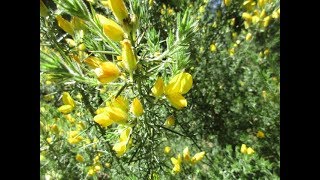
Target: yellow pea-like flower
[(176, 168), (213, 48), (158, 88), (125, 134), (120, 148), (79, 158), (65, 109), (136, 107), (74, 137), (108, 165), (261, 3), (67, 99), (111, 29), (71, 42), (97, 168), (248, 37), (128, 57), (243, 149), (91, 171), (43, 9), (262, 14), (275, 14), (181, 83), (54, 128), (197, 157), (65, 25), (121, 103), (117, 115), (70, 118), (167, 149), (250, 151), (266, 21), (107, 72), (260, 134), (119, 10), (93, 61), (246, 16), (227, 2), (170, 121), (176, 161), (186, 154), (103, 119), (177, 100)]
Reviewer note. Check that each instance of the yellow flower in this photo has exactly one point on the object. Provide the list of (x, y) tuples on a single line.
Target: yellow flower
[(117, 114), (250, 151), (91, 172), (97, 168), (125, 134), (246, 16), (243, 149), (105, 3), (181, 83), (177, 100), (266, 52), (249, 5), (119, 10), (79, 158), (176, 168), (262, 14), (170, 121), (120, 102), (178, 85), (65, 25), (264, 95), (232, 21), (248, 37), (74, 137), (120, 148), (261, 3), (54, 128), (255, 19), (111, 29), (128, 56), (107, 72), (71, 42), (186, 154), (176, 163), (260, 134), (213, 47), (103, 119), (65, 109), (136, 107), (197, 157), (158, 88), (266, 21), (108, 165), (67, 99), (81, 47), (92, 61), (167, 149), (70, 118), (227, 2), (231, 51), (275, 14), (43, 9), (202, 9), (49, 140)]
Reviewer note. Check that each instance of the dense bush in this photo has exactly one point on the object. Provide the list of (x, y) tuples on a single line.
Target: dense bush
[(105, 115)]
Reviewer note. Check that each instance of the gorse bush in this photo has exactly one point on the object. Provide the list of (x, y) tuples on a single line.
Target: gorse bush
[(147, 89)]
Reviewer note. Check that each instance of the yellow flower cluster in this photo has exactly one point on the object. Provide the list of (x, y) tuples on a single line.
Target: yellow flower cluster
[(256, 13), (246, 150), (74, 137), (96, 166), (170, 121), (186, 158), (177, 86)]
